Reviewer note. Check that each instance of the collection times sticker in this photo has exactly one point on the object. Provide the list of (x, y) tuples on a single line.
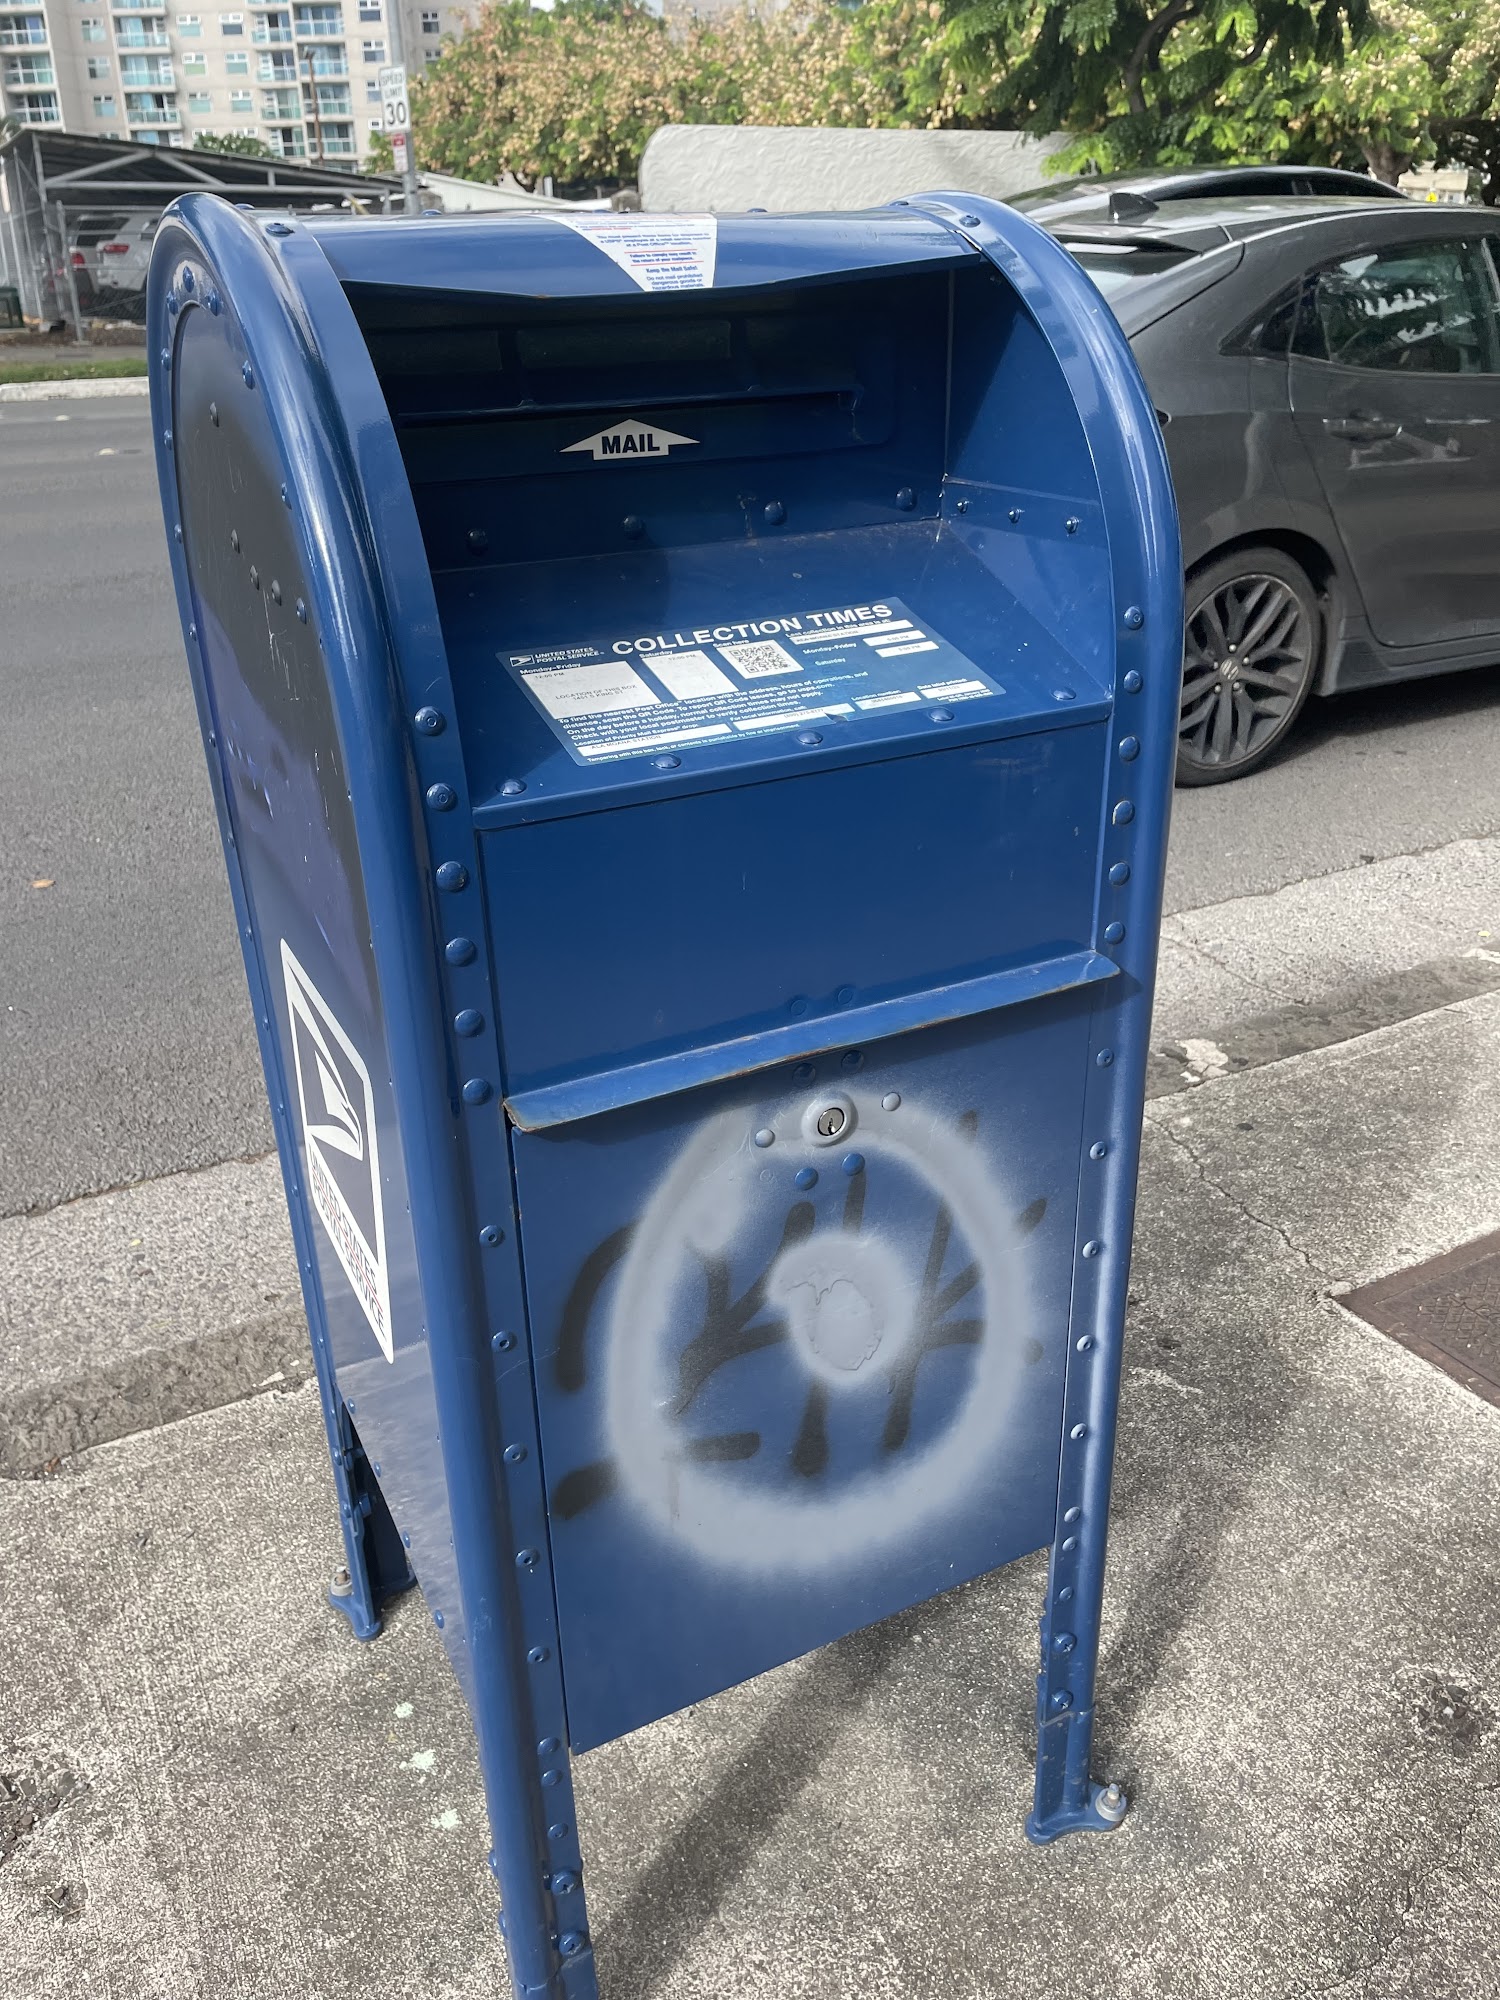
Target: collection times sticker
[(337, 1109), (632, 694)]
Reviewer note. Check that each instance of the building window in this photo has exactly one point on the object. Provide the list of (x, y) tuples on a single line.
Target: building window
[(373, 51), (189, 24), (372, 94), (231, 24), (200, 100), (369, 10), (92, 31), (98, 67), (239, 100), (431, 25), (104, 107), (195, 65), (237, 62)]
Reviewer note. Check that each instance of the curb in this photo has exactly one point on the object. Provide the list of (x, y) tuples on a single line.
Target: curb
[(45, 392)]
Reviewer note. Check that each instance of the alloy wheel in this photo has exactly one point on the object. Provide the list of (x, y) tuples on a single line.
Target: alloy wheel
[(1247, 659)]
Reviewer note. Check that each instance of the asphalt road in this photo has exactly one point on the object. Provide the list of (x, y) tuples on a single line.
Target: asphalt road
[(125, 1044)]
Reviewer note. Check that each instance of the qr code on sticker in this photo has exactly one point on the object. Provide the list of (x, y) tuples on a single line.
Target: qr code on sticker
[(760, 657)]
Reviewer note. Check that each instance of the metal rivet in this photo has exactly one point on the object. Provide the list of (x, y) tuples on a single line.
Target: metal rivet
[(165, 357), (527, 1559), (1132, 682), (853, 1163), (765, 1136), (1123, 813), (214, 303), (547, 1746), (906, 499), (1113, 933), (512, 788), (476, 1090), (286, 497), (844, 995), (275, 591), (166, 438), (549, 1778), (774, 512), (1065, 1595), (1069, 1543), (891, 1101), (1130, 748), (302, 609), (1078, 1432), (431, 721), (213, 413), (249, 375), (1013, 516), (571, 1943), (1064, 694), (1072, 524), (1098, 1150), (452, 876), (942, 715), (491, 1234), (514, 1453), (968, 222), (1062, 1701), (192, 631), (1120, 874), (1065, 1642), (254, 577), (851, 1059), (478, 539), (375, 1468), (538, 1655), (1086, 1343), (174, 304), (1135, 618), (1092, 1248), (805, 1073), (666, 763), (633, 525), (278, 229), (234, 540), (961, 506), (437, 1619), (459, 951), (177, 531), (501, 1342), (564, 1882), (809, 738), (468, 1022), (1104, 1058), (405, 1539), (805, 1178), (1073, 1513), (442, 798)]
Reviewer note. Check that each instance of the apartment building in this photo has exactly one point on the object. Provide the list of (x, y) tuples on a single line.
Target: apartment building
[(299, 74)]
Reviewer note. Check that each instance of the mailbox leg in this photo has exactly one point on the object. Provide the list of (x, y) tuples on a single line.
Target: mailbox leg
[(375, 1566)]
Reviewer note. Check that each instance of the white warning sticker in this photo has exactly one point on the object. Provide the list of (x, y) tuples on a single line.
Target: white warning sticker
[(337, 1109), (629, 693), (662, 253)]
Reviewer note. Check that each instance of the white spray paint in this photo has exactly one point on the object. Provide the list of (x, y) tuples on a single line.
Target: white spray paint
[(849, 1303)]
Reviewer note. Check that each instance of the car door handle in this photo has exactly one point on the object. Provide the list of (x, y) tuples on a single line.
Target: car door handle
[(1363, 425)]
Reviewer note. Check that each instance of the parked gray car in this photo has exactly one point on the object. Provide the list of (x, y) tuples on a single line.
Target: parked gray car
[(1327, 374)]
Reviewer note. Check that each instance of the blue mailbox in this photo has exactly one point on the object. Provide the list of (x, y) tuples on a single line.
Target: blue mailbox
[(691, 707)]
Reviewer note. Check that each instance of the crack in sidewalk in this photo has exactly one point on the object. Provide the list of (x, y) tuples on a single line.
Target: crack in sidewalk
[(1237, 1202)]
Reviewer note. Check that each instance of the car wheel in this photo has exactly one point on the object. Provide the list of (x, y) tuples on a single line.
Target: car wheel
[(1252, 640)]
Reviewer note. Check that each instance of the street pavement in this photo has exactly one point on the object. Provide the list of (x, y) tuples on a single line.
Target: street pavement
[(215, 1790)]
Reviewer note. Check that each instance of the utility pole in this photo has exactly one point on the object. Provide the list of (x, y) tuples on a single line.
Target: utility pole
[(395, 101)]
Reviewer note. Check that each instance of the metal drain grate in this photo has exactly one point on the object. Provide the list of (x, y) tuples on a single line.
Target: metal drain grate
[(1447, 1310)]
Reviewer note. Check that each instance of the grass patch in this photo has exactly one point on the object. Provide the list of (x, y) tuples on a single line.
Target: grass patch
[(70, 367)]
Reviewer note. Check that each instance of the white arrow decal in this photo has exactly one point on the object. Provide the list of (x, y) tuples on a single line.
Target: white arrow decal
[(628, 440)]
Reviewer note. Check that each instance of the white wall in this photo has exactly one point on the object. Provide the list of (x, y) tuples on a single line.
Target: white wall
[(719, 169)]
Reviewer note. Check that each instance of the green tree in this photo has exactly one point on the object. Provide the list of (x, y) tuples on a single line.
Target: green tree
[(1149, 82), (245, 144)]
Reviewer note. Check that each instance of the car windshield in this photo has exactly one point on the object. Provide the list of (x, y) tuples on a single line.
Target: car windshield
[(1114, 266)]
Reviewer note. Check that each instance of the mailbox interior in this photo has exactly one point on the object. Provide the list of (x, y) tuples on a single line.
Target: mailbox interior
[(749, 1451)]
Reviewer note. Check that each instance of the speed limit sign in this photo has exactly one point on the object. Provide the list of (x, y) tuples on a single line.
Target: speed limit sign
[(395, 112)]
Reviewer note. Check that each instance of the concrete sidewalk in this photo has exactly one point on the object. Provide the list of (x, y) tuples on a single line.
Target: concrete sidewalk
[(1299, 1687)]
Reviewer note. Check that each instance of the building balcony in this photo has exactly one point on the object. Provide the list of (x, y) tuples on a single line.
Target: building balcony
[(320, 67), (153, 114), (34, 114), (138, 7), (152, 38), (28, 73), (262, 35), (156, 76)]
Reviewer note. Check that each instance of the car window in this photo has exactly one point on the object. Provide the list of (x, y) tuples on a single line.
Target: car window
[(1114, 266), (1419, 308)]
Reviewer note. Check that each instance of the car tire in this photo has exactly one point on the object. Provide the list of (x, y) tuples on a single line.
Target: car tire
[(1252, 643)]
